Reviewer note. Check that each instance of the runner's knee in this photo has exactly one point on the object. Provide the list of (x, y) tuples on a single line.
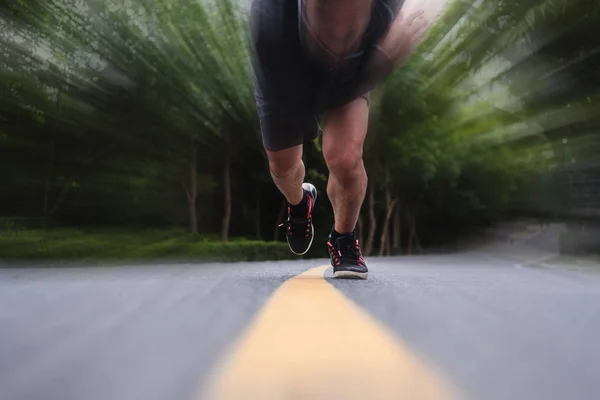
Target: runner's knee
[(344, 160), (343, 138), (283, 163)]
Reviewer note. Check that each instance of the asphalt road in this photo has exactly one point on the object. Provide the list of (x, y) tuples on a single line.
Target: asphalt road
[(490, 329)]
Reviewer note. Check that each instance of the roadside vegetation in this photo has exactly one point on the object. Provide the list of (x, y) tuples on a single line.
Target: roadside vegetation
[(128, 130)]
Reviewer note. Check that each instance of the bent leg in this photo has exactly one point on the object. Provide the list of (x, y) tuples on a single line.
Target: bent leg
[(344, 134), (283, 134), (287, 172), (283, 138)]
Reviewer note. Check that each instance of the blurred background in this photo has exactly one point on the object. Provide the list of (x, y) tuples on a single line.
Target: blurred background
[(128, 130)]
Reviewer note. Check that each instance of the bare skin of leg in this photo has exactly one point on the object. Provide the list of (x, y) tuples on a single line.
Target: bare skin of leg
[(287, 172), (344, 134)]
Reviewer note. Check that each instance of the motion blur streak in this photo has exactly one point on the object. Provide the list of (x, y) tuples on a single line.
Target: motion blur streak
[(124, 109)]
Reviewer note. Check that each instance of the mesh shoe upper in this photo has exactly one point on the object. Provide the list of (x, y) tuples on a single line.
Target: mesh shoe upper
[(299, 228), (345, 252)]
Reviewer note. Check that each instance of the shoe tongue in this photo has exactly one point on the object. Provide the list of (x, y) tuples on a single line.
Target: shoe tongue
[(298, 219), (345, 239)]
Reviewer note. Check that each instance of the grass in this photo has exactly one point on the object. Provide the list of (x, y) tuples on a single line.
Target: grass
[(80, 245)]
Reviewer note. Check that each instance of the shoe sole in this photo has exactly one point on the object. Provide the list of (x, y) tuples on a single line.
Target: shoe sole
[(312, 229), (350, 275), (313, 190)]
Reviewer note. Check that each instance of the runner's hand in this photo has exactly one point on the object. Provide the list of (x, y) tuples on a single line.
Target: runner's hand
[(402, 38), (404, 35)]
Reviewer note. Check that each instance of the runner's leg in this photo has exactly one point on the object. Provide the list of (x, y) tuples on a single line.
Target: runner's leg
[(343, 137), (283, 136), (344, 134), (287, 171)]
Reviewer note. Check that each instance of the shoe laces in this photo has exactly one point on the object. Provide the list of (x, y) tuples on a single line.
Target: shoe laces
[(299, 227), (346, 250)]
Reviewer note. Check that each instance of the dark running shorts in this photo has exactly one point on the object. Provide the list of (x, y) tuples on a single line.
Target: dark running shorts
[(282, 127), (291, 90)]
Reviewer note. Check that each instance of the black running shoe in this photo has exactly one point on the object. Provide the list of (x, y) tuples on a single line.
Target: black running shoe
[(299, 230), (346, 257)]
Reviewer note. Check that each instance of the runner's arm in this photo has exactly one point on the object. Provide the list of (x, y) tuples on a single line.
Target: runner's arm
[(401, 39)]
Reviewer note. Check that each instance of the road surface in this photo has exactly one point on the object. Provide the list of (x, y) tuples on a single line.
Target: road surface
[(465, 326)]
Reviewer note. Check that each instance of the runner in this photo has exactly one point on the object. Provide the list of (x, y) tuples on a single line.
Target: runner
[(314, 65)]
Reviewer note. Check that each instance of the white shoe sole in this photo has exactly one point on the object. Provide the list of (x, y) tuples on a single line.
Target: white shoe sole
[(350, 275)]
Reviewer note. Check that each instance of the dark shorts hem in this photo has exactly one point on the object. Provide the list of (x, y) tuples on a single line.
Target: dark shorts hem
[(282, 129)]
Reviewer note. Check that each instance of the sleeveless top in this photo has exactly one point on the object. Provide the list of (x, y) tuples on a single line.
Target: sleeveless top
[(287, 74)]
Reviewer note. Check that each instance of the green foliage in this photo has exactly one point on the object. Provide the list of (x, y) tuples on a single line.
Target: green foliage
[(131, 114), (72, 244)]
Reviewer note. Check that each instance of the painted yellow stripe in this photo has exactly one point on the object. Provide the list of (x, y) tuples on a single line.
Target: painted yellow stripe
[(310, 342)]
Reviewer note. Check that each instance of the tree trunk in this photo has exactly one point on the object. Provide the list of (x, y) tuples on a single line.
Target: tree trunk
[(257, 216), (47, 214), (413, 222), (280, 217), (47, 185), (387, 245), (227, 197), (396, 228), (372, 220), (192, 192), (59, 199), (80, 173), (384, 242), (418, 243)]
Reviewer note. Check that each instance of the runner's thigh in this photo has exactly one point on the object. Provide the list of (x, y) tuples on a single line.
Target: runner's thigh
[(282, 129)]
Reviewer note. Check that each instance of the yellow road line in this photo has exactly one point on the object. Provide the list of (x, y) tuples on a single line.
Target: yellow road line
[(310, 342)]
